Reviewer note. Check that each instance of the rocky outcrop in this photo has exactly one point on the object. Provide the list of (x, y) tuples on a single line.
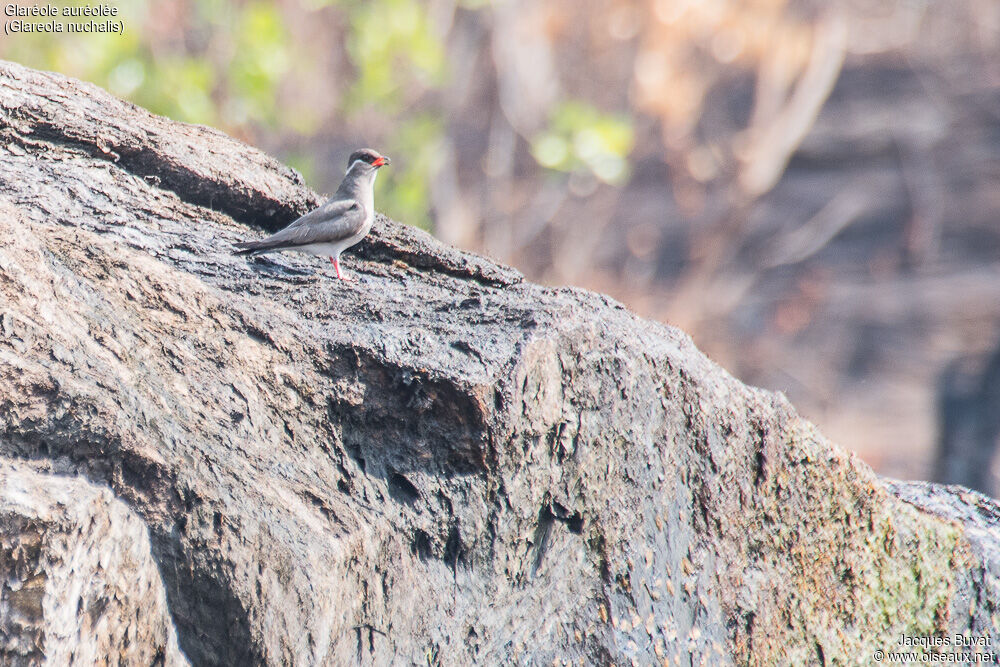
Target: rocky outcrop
[(79, 582), (437, 462)]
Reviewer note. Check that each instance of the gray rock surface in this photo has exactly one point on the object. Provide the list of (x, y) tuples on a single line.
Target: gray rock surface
[(80, 584), (435, 463)]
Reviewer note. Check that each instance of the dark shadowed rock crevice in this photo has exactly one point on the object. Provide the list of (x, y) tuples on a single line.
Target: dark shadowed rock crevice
[(436, 462)]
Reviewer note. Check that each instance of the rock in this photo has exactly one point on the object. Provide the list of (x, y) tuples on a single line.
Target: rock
[(79, 584), (438, 462)]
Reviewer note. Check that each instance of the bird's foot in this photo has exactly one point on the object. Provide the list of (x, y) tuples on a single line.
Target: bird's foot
[(336, 265)]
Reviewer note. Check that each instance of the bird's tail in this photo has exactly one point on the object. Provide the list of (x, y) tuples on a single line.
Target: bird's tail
[(249, 248)]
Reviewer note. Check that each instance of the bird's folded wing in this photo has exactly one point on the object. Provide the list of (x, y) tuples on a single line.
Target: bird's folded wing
[(335, 220)]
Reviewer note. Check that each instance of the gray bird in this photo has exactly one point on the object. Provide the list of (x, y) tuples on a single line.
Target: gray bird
[(342, 221)]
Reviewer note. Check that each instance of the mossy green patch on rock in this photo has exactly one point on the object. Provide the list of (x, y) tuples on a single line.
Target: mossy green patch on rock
[(856, 569)]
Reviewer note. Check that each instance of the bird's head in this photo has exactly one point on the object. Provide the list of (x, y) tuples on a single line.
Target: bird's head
[(370, 157)]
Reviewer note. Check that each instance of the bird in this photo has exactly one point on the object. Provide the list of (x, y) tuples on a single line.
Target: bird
[(342, 221)]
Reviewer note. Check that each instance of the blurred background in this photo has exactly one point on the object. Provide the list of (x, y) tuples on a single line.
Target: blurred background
[(810, 189)]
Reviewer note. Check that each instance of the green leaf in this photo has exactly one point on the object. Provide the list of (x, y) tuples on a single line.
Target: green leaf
[(580, 137)]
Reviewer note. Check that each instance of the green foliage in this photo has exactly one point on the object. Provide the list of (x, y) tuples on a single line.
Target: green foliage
[(90, 56), (261, 44), (228, 70), (417, 145), (304, 163), (180, 87), (392, 45), (581, 137), (398, 59), (222, 63)]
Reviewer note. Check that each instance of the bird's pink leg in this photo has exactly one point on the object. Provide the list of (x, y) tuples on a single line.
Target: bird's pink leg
[(336, 264)]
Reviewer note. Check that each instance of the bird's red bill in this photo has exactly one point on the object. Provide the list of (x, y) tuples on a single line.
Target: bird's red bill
[(379, 162)]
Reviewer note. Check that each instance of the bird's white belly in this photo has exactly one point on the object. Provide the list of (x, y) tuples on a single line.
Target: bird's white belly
[(321, 249)]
